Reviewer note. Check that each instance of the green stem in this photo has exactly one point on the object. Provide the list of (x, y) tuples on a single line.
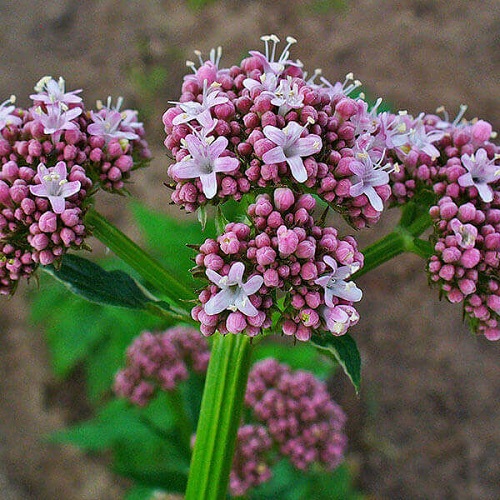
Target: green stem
[(150, 269), (182, 420), (220, 417), (402, 239)]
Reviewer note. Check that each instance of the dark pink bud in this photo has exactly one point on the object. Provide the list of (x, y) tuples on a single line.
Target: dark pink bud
[(287, 241), (467, 212), (481, 131), (313, 299), (283, 199), (39, 241), (346, 107), (470, 258), (467, 286), (4, 193), (309, 271), (48, 222), (263, 207), (289, 327), (236, 322), (447, 272), (448, 210), (309, 317), (274, 220), (451, 254), (271, 278), (213, 261), (114, 174), (298, 301), (265, 256), (71, 217), (262, 146), (306, 249), (262, 240), (229, 243), (46, 257), (493, 302), (455, 296)]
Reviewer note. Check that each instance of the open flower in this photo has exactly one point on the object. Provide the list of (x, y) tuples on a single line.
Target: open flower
[(367, 176), (268, 62), (54, 186), (6, 116), (234, 294), (421, 140), (107, 124), (290, 147), (481, 172), (200, 111), (56, 119), (335, 284), (204, 161), (52, 92)]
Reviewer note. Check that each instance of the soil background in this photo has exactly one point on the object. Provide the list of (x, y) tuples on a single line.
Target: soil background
[(427, 423)]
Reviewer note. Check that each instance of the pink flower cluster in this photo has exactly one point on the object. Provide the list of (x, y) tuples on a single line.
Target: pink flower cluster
[(53, 157), (160, 361), (299, 414), (466, 259), (252, 459), (461, 167), (264, 123), (282, 262), (296, 416)]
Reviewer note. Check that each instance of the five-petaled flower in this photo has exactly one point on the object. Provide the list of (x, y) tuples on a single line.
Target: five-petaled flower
[(367, 176), (6, 116), (54, 186), (51, 92), (291, 147), (107, 124), (204, 161), (335, 284), (201, 111), (234, 294), (56, 119), (481, 172)]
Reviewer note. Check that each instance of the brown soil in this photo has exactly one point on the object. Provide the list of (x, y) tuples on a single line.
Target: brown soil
[(426, 425)]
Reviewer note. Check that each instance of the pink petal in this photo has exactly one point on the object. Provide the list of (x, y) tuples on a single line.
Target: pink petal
[(219, 302), (323, 280), (70, 188), (205, 119), (357, 189), (186, 169), (246, 307), (217, 147), (213, 276), (209, 184), (235, 274), (58, 204), (226, 164), (39, 190), (331, 262), (299, 172), (275, 155), (374, 198), (309, 145), (466, 180), (42, 170), (485, 192), (293, 132), (253, 285), (60, 169), (195, 147), (275, 134)]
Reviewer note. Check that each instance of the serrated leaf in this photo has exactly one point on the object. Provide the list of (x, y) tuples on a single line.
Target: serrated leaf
[(345, 351), (91, 281)]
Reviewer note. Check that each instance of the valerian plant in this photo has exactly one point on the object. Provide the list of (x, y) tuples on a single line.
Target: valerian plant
[(269, 153)]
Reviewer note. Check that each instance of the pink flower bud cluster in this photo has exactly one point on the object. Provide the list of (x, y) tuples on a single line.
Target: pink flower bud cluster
[(293, 255), (252, 459), (467, 259), (282, 129), (53, 157), (434, 154), (302, 420), (161, 361)]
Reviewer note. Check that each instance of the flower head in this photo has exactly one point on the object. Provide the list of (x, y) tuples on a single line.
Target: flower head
[(234, 294), (481, 171), (291, 147), (204, 161), (335, 284), (54, 186)]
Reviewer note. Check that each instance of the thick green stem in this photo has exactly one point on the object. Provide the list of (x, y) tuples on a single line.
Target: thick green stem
[(150, 269), (220, 417)]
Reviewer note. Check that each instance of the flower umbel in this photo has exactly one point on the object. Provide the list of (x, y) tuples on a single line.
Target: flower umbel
[(54, 186)]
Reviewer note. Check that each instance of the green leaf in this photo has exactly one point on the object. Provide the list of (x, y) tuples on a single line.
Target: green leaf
[(345, 351), (91, 281)]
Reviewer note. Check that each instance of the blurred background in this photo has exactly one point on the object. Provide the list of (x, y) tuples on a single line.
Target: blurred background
[(426, 424)]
